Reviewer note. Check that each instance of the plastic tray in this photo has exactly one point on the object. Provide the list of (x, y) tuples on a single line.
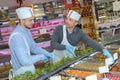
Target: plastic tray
[(88, 65)]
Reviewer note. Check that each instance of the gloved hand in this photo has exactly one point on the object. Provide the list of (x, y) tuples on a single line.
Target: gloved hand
[(106, 53), (45, 59), (50, 55), (70, 49)]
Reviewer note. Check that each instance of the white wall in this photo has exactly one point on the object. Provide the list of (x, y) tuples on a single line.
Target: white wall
[(10, 3)]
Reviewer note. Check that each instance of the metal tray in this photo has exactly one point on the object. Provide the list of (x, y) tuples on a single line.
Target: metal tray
[(88, 65)]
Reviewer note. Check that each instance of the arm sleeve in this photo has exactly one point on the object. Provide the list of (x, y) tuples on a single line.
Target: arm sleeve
[(35, 48), (54, 41), (20, 50), (92, 43)]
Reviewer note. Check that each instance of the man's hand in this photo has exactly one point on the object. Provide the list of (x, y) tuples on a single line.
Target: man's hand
[(51, 56), (107, 53), (70, 49)]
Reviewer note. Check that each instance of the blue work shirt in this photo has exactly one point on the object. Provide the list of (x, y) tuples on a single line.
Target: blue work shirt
[(19, 50)]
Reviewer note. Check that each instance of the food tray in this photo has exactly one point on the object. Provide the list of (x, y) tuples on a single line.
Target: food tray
[(88, 65), (97, 56), (96, 59), (112, 76), (115, 68), (78, 73)]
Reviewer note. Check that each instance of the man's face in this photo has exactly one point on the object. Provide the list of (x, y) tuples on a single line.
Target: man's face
[(69, 22), (28, 22)]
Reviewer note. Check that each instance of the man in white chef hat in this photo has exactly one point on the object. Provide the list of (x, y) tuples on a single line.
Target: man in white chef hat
[(65, 38), (22, 45)]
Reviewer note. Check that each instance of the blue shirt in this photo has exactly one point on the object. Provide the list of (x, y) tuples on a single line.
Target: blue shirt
[(19, 50)]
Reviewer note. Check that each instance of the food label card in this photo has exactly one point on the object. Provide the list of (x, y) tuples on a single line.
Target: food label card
[(108, 61), (91, 77), (103, 69), (115, 56)]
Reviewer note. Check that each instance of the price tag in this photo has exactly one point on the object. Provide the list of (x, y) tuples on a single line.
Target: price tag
[(43, 31), (55, 78), (72, 78), (108, 61), (103, 69), (115, 56), (91, 77)]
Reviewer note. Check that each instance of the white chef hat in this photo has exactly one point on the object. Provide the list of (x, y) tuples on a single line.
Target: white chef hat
[(24, 12), (74, 15)]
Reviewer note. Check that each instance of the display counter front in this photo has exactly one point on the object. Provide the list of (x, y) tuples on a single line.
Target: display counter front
[(87, 66), (86, 63)]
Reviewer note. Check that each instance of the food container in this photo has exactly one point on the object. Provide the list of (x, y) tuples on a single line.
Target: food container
[(96, 58), (112, 76), (88, 65), (115, 68), (79, 74)]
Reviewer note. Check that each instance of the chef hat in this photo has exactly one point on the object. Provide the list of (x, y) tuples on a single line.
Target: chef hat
[(24, 12), (74, 15)]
